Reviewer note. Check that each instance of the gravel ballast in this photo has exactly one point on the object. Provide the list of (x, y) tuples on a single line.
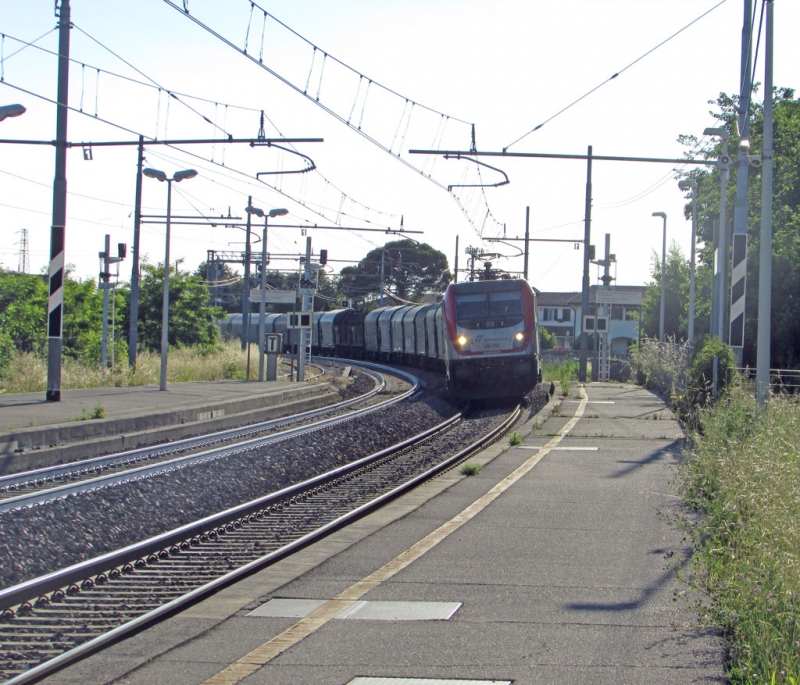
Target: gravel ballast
[(49, 537)]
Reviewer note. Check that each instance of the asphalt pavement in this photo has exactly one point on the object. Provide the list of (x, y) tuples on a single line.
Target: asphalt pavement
[(555, 564)]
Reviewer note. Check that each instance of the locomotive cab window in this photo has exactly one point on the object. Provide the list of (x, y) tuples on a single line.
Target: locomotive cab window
[(506, 306), (472, 308)]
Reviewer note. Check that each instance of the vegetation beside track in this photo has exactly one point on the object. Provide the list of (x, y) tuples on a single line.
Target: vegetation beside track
[(742, 475), (27, 371)]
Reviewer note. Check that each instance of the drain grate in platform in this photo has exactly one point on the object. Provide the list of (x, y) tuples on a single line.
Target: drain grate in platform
[(363, 610)]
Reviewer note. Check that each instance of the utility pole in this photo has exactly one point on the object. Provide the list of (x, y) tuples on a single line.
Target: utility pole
[(739, 268), (301, 353), (383, 264), (246, 289), (455, 270), (133, 331), (765, 256), (55, 304), (527, 242), (587, 225), (106, 285)]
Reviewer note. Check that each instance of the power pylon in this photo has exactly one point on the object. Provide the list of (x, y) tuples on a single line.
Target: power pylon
[(24, 252)]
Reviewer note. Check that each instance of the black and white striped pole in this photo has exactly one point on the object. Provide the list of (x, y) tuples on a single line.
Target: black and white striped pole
[(55, 303)]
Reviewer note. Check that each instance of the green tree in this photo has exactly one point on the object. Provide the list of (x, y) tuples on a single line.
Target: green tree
[(410, 271), (23, 312), (676, 297), (785, 327), (191, 318)]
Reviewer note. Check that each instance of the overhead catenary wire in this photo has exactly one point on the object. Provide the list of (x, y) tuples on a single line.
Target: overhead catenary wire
[(328, 109), (179, 96), (615, 75)]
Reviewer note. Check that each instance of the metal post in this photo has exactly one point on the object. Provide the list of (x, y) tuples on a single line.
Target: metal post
[(55, 304), (105, 282), (663, 283), (765, 256), (133, 331), (301, 355), (246, 289), (715, 280), (165, 305), (693, 268), (527, 242), (262, 305), (723, 240), (739, 270), (585, 291), (455, 270), (383, 262)]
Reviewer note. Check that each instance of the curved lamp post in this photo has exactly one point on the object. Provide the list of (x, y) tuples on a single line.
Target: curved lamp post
[(272, 213), (177, 177), (689, 184), (663, 275), (7, 111)]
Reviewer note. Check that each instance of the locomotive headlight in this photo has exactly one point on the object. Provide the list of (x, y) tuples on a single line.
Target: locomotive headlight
[(519, 336), (461, 340)]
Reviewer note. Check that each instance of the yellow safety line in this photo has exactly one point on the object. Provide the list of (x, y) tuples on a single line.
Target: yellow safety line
[(262, 655)]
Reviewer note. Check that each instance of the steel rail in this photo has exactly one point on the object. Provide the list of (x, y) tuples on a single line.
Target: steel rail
[(38, 498), (50, 582), (30, 477), (90, 646)]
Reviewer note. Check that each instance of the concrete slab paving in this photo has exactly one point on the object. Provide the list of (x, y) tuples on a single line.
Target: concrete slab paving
[(568, 576)]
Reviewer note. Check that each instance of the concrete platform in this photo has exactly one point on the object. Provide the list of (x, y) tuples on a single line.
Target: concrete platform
[(36, 433), (558, 553)]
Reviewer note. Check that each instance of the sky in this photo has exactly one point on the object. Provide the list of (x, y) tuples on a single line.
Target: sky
[(406, 74)]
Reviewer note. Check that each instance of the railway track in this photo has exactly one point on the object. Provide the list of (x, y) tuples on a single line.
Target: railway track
[(32, 488), (55, 619)]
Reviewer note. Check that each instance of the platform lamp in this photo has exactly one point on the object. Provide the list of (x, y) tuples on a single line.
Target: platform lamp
[(663, 275), (271, 214), (7, 111), (689, 184), (178, 176)]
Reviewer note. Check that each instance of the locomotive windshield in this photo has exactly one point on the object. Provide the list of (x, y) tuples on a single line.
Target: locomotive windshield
[(473, 307), (488, 310), (505, 305)]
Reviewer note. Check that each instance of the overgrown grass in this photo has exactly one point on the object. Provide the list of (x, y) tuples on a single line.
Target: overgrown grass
[(470, 469), (514, 439), (743, 476), (565, 373), (28, 372)]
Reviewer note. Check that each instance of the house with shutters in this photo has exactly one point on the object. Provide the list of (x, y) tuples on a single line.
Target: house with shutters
[(560, 314)]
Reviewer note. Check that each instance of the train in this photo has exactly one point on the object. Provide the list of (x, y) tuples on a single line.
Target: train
[(483, 335)]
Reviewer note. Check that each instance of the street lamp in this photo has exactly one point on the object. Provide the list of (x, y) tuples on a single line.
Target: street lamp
[(724, 163), (177, 177), (272, 213), (663, 275), (7, 111), (689, 184)]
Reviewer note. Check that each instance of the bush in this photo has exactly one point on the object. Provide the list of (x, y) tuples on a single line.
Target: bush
[(470, 469), (701, 370), (547, 340), (661, 366)]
